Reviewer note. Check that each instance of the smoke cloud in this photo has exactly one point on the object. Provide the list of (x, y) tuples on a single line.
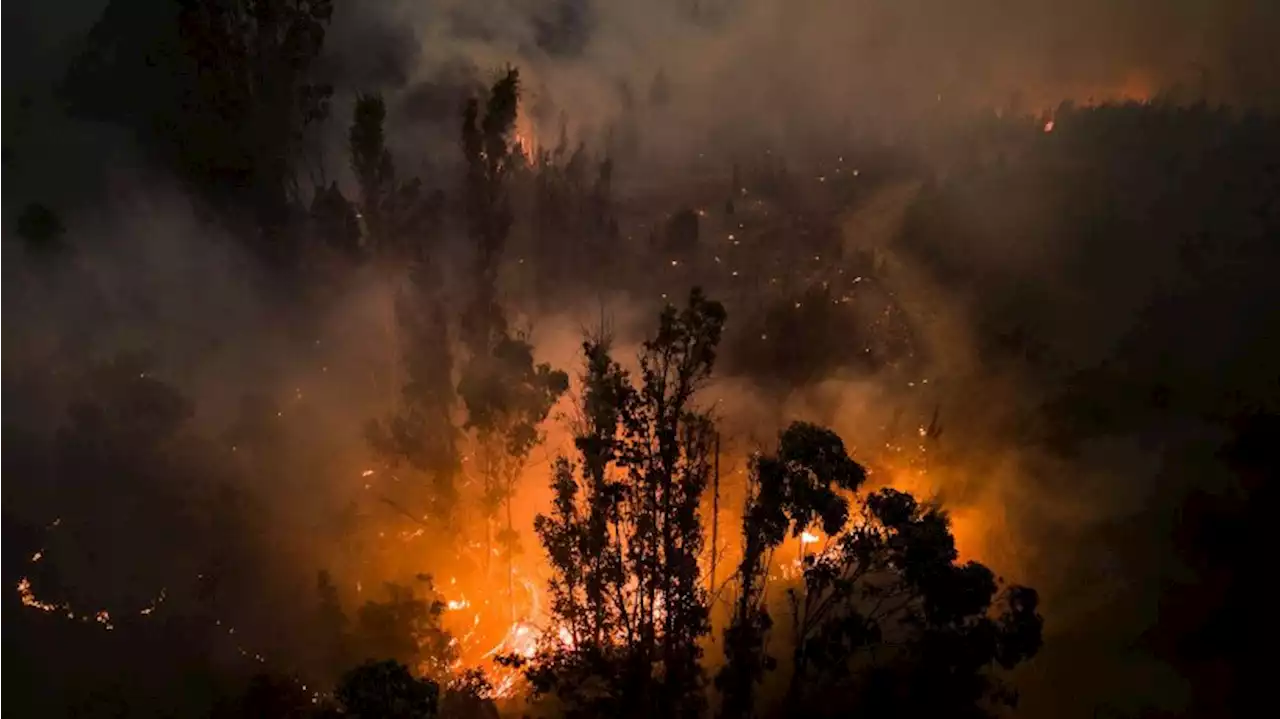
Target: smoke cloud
[(697, 74), (676, 89)]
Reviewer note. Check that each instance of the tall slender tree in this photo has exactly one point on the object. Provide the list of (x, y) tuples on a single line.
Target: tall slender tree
[(625, 533), (506, 394), (399, 223), (490, 160)]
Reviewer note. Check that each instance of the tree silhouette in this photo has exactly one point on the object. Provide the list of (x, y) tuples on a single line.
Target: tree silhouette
[(127, 427), (421, 431), (386, 690), (398, 216), (406, 628), (884, 620), (625, 533), (222, 90), (1206, 625), (335, 646), (573, 217), (790, 492), (469, 696), (371, 160), (490, 160), (335, 221), (274, 696), (507, 396)]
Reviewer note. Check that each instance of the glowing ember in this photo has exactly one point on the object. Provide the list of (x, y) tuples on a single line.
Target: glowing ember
[(1048, 126), (29, 598), (807, 538)]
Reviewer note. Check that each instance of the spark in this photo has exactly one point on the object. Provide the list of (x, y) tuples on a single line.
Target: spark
[(29, 598), (1048, 126)]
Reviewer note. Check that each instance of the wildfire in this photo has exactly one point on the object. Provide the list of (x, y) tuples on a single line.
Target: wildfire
[(523, 145), (524, 136), (521, 639), (29, 598)]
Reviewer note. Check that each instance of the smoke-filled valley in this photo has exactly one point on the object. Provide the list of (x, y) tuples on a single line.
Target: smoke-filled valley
[(583, 359)]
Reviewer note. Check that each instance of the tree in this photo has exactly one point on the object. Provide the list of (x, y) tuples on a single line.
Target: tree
[(790, 492), (1207, 624), (128, 428), (371, 160), (335, 221), (398, 220), (421, 431), (406, 628), (386, 690), (884, 620), (469, 696), (574, 226), (486, 147), (398, 216), (507, 396), (625, 533), (277, 697), (221, 90), (335, 650)]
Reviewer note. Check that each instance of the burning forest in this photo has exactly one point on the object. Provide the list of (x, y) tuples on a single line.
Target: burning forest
[(574, 361)]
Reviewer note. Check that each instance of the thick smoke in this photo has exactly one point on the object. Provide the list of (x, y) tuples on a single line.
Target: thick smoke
[(688, 76), (664, 85)]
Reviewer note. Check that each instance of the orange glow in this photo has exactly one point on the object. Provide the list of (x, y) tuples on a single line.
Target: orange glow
[(524, 137), (490, 614)]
